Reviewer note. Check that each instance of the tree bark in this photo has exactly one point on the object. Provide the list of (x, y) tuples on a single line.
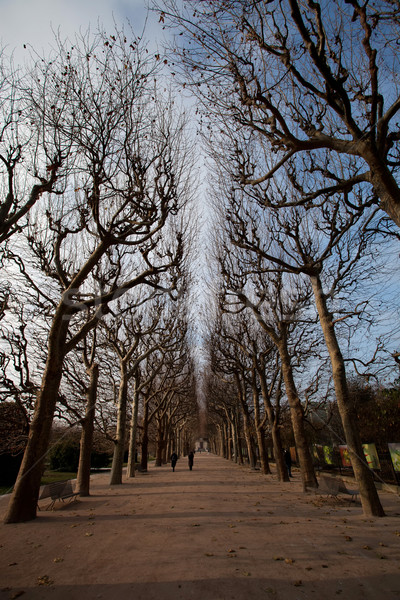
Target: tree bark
[(297, 417), (119, 446), (264, 464), (145, 438), (86, 444), (23, 502), (273, 421), (130, 472), (246, 420), (364, 477), (160, 442)]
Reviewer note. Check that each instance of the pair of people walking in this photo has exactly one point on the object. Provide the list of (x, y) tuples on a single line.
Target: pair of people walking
[(174, 460)]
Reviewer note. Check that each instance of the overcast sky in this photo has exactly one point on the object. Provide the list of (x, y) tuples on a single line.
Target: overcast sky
[(31, 21)]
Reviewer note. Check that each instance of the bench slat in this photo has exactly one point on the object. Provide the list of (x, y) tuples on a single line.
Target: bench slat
[(59, 490)]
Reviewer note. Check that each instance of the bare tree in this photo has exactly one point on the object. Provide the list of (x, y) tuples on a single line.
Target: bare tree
[(317, 80), (329, 246), (278, 302), (124, 188), (28, 168)]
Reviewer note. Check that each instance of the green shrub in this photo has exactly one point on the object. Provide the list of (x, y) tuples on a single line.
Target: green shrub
[(100, 460), (64, 456), (9, 467)]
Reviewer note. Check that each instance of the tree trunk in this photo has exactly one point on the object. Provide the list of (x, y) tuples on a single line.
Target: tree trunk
[(119, 446), (297, 416), (160, 442), (262, 450), (86, 444), (145, 438), (264, 465), (134, 420), (249, 438), (230, 442), (385, 185), (281, 468), (246, 419), (23, 502), (273, 421), (364, 477)]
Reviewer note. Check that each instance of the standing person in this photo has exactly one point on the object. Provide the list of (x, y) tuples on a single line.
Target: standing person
[(288, 461), (174, 458), (190, 459)]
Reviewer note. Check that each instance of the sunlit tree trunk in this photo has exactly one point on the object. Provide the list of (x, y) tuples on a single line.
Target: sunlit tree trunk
[(297, 417), (119, 444), (264, 464), (273, 421), (368, 493), (24, 498)]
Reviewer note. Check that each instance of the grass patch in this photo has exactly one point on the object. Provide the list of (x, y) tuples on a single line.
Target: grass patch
[(52, 476), (48, 477)]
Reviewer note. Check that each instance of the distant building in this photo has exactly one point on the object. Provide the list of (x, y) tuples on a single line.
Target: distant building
[(201, 445)]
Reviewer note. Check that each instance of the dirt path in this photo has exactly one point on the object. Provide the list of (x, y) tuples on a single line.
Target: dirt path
[(219, 532)]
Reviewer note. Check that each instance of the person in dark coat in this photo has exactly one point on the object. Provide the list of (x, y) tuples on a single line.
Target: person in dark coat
[(288, 462), (190, 460), (174, 458)]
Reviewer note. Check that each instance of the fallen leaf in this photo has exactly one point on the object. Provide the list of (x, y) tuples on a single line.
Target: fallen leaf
[(57, 560), (289, 561), (44, 580), (298, 583), (246, 573), (87, 534), (366, 547), (208, 554), (231, 550)]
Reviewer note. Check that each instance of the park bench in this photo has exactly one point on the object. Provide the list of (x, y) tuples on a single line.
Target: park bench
[(343, 489), (333, 486), (59, 490)]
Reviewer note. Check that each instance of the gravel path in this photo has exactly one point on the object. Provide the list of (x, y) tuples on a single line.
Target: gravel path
[(219, 532)]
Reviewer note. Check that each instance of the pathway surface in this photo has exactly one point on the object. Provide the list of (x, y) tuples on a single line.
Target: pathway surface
[(219, 532)]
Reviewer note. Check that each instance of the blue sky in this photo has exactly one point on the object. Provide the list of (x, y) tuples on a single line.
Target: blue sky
[(31, 22)]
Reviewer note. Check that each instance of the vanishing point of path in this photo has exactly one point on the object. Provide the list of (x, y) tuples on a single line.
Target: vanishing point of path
[(219, 532)]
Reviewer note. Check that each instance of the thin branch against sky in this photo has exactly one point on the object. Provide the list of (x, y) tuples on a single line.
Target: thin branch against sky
[(33, 23)]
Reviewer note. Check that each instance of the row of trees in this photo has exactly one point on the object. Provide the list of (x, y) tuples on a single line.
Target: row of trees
[(301, 103), (96, 175)]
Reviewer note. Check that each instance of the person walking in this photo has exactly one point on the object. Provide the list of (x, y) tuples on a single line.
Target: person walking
[(174, 458), (190, 459), (288, 461)]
